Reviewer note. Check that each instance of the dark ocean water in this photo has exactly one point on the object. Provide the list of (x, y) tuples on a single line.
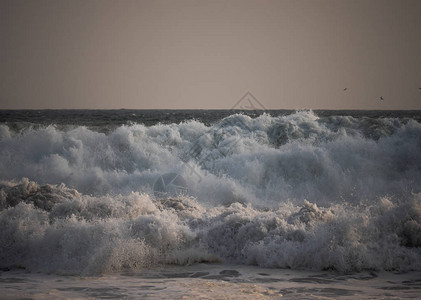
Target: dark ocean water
[(102, 118), (97, 191)]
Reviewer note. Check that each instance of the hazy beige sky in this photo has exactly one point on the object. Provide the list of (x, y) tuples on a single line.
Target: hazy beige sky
[(207, 54)]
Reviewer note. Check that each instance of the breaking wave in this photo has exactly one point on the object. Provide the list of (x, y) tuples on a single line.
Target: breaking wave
[(296, 191)]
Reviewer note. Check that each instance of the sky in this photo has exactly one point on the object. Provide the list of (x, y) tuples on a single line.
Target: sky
[(290, 54)]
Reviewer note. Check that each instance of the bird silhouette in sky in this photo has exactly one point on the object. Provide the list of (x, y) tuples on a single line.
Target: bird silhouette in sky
[(345, 89), (381, 98)]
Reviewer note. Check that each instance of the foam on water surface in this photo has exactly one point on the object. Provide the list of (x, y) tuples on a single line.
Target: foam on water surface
[(203, 281)]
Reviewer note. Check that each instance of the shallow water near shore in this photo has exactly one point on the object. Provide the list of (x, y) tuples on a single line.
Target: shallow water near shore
[(213, 281)]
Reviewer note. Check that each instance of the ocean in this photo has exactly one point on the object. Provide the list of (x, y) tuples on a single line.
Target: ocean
[(210, 204)]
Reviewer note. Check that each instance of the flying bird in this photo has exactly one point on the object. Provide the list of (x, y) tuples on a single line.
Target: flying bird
[(381, 98), (345, 89)]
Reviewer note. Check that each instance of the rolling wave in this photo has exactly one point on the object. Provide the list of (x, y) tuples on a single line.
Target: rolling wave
[(292, 191)]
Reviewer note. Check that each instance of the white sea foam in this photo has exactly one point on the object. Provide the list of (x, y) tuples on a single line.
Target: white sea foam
[(293, 191), (56, 229)]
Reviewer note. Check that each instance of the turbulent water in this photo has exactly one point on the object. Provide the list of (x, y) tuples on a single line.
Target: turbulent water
[(92, 192)]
